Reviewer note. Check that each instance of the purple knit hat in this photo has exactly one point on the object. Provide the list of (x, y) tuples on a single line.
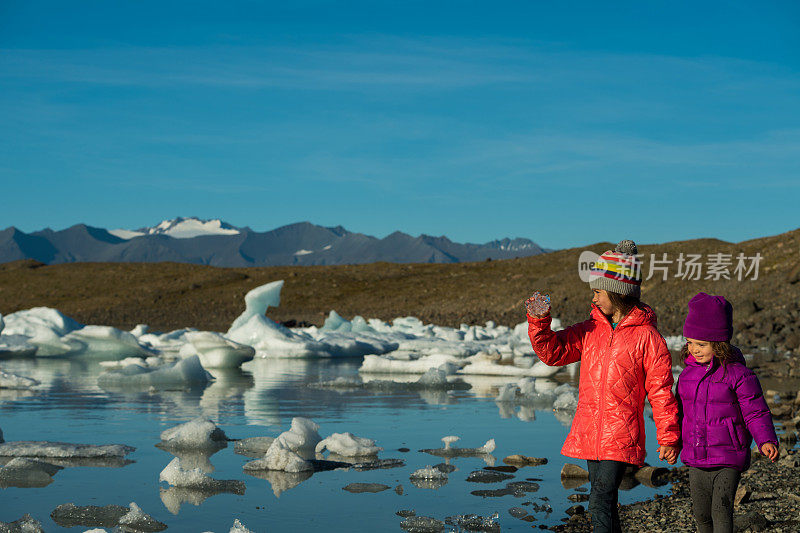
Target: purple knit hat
[(710, 318)]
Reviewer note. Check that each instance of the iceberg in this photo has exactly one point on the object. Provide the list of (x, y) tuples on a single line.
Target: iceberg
[(197, 434), (26, 524), (179, 375), (238, 527), (347, 445), (56, 335), (12, 346), (63, 450), (386, 364), (178, 476), (280, 457), (215, 351), (302, 436), (452, 451), (130, 518)]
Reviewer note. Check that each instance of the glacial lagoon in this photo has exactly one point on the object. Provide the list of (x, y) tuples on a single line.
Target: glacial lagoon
[(261, 400)]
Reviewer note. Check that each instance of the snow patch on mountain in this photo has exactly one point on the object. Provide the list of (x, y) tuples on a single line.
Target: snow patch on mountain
[(181, 228)]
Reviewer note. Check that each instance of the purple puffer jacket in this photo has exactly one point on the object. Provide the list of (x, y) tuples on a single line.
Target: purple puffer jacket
[(722, 410)]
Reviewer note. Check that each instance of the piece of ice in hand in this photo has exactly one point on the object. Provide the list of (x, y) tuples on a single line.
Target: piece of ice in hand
[(538, 304)]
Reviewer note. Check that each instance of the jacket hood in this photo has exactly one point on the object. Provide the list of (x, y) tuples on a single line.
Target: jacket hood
[(736, 357), (643, 315)]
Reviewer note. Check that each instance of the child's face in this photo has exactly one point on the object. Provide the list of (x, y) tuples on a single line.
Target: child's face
[(601, 300), (700, 350)]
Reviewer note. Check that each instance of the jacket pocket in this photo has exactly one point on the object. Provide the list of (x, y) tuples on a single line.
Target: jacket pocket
[(720, 435), (734, 435)]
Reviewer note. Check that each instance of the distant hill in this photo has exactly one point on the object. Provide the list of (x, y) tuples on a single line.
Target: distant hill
[(175, 295), (216, 243)]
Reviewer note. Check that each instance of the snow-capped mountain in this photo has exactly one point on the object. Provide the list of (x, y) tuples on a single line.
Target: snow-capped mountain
[(213, 242), (181, 228)]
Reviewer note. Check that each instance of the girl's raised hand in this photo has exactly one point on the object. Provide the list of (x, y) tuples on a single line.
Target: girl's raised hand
[(538, 305), (771, 451)]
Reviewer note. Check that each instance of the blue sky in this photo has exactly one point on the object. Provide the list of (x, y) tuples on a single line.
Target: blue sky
[(564, 122)]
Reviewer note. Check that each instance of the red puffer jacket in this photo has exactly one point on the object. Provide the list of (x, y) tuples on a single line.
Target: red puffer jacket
[(619, 368)]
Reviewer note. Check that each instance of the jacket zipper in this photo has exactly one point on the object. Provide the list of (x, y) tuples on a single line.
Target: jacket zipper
[(709, 370), (601, 398)]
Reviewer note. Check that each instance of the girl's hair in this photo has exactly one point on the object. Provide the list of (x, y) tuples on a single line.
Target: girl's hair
[(625, 303), (722, 351)]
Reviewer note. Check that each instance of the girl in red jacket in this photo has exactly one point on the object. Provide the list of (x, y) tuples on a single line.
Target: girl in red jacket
[(623, 360)]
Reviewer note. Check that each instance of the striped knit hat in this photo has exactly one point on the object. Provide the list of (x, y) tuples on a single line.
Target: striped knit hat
[(619, 271)]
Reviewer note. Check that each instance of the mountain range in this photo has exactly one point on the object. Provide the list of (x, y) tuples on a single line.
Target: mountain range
[(216, 243)]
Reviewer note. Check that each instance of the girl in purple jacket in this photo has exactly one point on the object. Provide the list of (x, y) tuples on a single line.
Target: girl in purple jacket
[(722, 411)]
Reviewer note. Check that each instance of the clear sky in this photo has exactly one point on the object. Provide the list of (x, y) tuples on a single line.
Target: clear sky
[(564, 122)]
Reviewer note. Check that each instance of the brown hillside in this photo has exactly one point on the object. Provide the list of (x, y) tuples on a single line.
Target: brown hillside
[(170, 295)]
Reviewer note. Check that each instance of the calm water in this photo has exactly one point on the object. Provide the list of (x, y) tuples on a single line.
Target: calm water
[(69, 407)]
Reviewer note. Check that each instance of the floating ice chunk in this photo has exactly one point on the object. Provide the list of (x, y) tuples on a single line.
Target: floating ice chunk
[(137, 520), (179, 375), (32, 322), (450, 439), (238, 527), (359, 325), (347, 445), (302, 437), (452, 451), (55, 334), (566, 400), (27, 473), (274, 340), (102, 342), (428, 472), (215, 351), (196, 434), (254, 446), (280, 457), (168, 344), (508, 393), (130, 518), (62, 449), (429, 477), (437, 377), (482, 365), (257, 301), (422, 524), (194, 478), (16, 346), (140, 329), (385, 364), (13, 381), (335, 322), (527, 386), (26, 524)]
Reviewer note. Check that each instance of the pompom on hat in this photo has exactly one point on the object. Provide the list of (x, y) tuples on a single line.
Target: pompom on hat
[(710, 318), (618, 271)]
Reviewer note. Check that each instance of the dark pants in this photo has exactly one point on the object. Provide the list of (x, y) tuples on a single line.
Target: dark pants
[(605, 478), (713, 491)]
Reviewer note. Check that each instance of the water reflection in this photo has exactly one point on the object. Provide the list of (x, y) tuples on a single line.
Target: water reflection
[(280, 481)]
